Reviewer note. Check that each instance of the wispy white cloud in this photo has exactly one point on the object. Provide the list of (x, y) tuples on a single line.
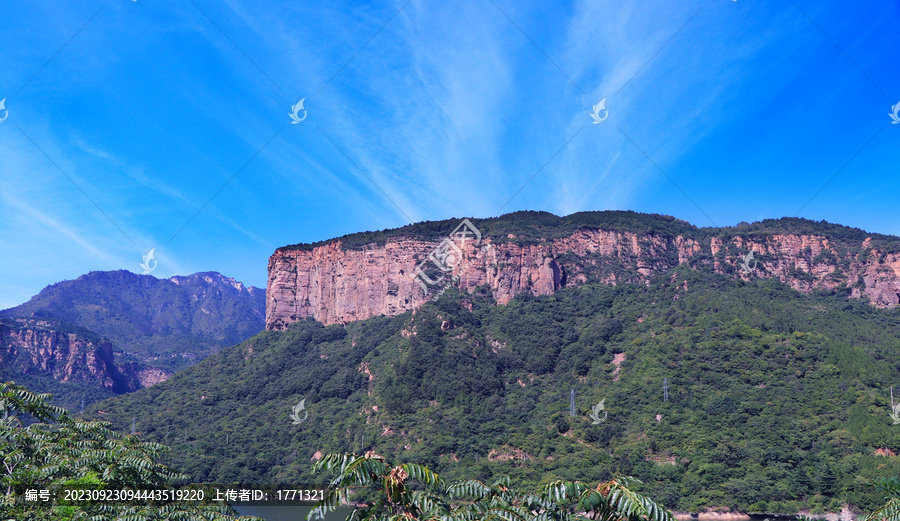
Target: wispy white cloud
[(28, 216), (449, 110)]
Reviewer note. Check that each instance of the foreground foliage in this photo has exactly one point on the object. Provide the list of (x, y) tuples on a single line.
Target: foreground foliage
[(890, 511), (41, 446), (393, 495)]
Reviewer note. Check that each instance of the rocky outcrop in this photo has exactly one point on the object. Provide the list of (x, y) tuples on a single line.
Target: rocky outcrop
[(140, 376), (148, 319), (40, 347), (66, 354), (333, 284)]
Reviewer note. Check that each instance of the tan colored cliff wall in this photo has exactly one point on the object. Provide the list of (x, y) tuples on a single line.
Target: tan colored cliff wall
[(35, 347), (337, 286)]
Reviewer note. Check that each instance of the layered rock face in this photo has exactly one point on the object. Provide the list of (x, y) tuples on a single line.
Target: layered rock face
[(336, 285), (38, 347), (46, 348)]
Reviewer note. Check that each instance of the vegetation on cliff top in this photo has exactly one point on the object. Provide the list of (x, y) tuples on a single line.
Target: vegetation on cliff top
[(532, 227), (778, 400)]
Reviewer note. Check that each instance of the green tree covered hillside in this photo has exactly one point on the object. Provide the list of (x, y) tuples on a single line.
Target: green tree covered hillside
[(777, 400)]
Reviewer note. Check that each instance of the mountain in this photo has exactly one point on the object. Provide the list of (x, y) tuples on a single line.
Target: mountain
[(67, 354), (368, 274), (74, 364), (777, 374), (167, 324)]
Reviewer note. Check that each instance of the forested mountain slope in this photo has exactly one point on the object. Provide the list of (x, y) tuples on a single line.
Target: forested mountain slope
[(778, 400)]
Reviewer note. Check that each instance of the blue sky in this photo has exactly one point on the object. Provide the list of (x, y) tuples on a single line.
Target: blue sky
[(134, 125)]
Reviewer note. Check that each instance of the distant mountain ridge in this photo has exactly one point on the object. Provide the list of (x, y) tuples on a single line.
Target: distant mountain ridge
[(372, 273), (107, 333), (163, 323)]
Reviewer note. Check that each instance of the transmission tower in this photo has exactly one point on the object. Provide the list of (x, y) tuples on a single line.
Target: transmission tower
[(665, 389), (572, 403)]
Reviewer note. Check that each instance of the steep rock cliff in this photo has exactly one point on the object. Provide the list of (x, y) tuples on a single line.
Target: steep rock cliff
[(66, 354), (334, 283)]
